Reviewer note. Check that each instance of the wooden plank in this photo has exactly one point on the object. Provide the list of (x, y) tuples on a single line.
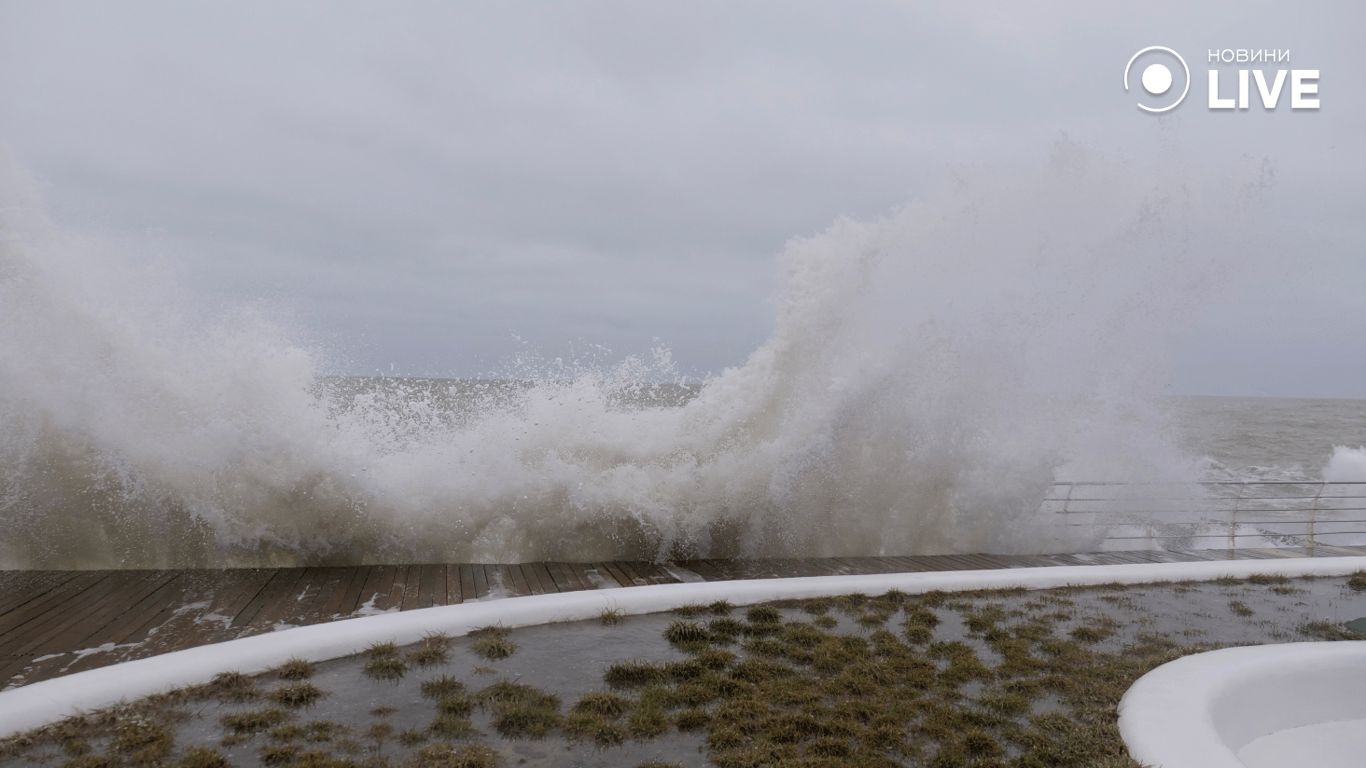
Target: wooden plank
[(305, 604), (12, 667), (1099, 558), (1277, 551), (467, 590), (520, 585), (22, 639), (433, 583), (600, 576), (547, 581), (178, 617), (611, 570), (281, 579), (725, 570), (702, 568), (398, 591), (1128, 558), (866, 565), (136, 620), (330, 589), (818, 565), (1140, 556), (976, 563), (30, 670), (378, 586), (906, 565), (28, 586), (412, 592), (653, 574), (571, 579), (539, 577), (117, 595), (556, 578), (1247, 554), (929, 563), (500, 579), (628, 568), (371, 588), (356, 595), (580, 572), (453, 596), (772, 568), (49, 601), (994, 562), (1193, 556), (1340, 551), (803, 566), (227, 592), (234, 597), (633, 579), (481, 582), (342, 602)]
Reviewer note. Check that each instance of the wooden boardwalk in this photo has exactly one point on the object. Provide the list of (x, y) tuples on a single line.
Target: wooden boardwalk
[(58, 622)]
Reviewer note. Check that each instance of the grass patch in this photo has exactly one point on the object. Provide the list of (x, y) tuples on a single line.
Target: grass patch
[(1357, 581), (1323, 630), (294, 669), (521, 711), (390, 668), (296, 695), (494, 647), (634, 674), (603, 704), (254, 722), (435, 649), (441, 687), (202, 757), (681, 632), (234, 686), (450, 756)]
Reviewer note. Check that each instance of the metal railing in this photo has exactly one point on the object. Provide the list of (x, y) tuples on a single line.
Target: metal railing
[(1284, 512)]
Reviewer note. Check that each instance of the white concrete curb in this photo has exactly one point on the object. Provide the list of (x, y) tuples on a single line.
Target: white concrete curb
[(1198, 711), (50, 700)]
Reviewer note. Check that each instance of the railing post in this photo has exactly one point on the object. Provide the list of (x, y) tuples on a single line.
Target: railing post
[(1233, 517), (1313, 513)]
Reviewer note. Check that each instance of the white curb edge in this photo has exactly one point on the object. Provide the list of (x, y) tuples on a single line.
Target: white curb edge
[(50, 700), (1199, 711)]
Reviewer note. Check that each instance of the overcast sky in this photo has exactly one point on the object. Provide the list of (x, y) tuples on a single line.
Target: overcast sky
[(437, 186)]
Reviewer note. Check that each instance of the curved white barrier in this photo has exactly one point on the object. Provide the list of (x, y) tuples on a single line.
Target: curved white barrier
[(1200, 711), (50, 700)]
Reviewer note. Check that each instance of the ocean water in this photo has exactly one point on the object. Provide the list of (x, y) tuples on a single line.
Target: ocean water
[(1274, 438), (929, 378)]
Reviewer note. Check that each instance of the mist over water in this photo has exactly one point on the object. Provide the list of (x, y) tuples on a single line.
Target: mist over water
[(930, 374)]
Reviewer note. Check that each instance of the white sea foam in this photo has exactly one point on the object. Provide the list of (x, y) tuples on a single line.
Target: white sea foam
[(929, 375), (1348, 465)]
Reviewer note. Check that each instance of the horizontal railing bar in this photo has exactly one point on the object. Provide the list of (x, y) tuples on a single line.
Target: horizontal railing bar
[(1204, 511), (1281, 497), (1209, 499), (1213, 482), (1217, 535)]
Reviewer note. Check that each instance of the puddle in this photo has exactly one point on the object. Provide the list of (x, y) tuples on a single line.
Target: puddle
[(372, 722)]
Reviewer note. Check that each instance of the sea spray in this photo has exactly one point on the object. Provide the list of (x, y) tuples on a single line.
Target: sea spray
[(929, 375)]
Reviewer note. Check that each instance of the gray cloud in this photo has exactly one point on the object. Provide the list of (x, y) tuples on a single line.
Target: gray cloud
[(419, 181)]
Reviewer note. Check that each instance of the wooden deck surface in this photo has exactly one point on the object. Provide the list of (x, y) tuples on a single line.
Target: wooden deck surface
[(58, 622)]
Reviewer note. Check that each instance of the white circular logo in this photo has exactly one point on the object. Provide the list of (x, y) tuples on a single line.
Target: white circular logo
[(1157, 78)]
